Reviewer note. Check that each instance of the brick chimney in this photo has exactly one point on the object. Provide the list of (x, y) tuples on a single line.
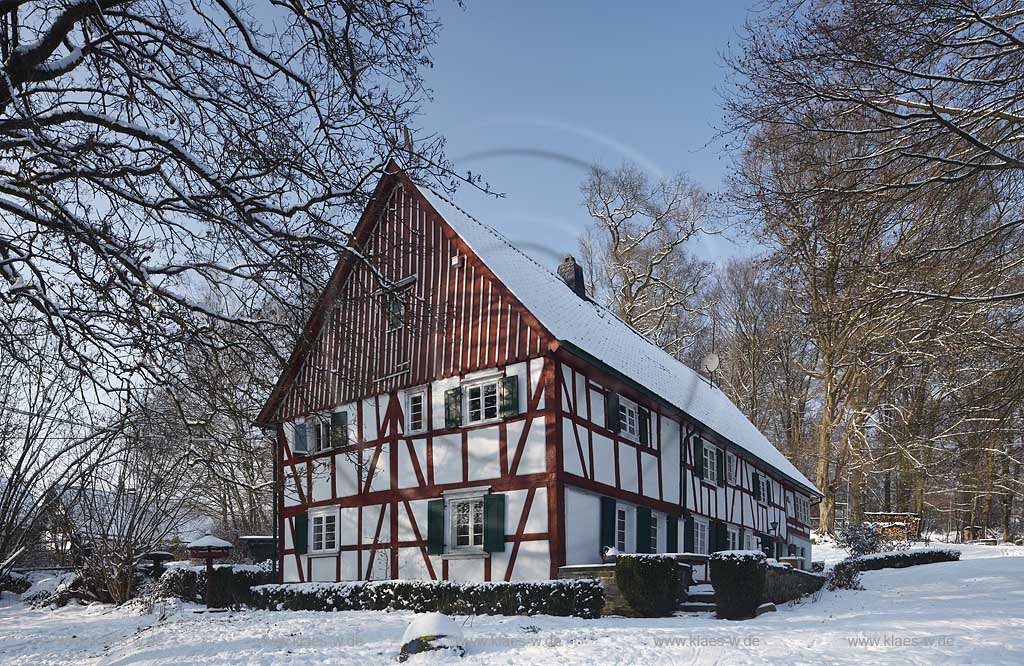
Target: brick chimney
[(572, 274)]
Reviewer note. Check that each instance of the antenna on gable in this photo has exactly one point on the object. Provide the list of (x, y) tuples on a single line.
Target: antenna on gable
[(711, 361)]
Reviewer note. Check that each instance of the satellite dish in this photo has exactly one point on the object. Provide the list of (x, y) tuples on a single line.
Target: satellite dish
[(710, 363)]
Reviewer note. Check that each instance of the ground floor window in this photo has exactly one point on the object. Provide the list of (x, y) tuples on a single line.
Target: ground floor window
[(734, 539), (700, 536), (324, 533), (468, 523), (620, 529)]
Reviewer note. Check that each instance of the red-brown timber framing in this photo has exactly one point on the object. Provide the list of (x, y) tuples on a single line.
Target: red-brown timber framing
[(464, 320)]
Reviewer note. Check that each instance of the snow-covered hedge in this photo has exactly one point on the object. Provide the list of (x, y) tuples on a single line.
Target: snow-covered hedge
[(650, 583), (905, 558), (579, 597), (232, 584), (739, 580)]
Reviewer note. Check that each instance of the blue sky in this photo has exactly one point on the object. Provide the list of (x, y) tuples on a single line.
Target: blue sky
[(528, 93)]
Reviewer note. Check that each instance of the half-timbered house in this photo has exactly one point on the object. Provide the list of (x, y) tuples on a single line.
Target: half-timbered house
[(455, 410)]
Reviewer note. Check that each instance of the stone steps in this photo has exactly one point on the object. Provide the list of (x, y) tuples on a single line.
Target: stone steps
[(697, 607)]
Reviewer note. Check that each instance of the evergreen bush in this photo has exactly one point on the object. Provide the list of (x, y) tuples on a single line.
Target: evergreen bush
[(739, 580), (650, 583), (579, 597)]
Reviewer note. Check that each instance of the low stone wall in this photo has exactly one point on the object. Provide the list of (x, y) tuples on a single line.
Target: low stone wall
[(614, 602), (782, 584)]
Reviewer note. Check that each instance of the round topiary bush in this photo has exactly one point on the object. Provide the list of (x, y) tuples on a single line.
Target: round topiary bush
[(739, 579), (650, 583)]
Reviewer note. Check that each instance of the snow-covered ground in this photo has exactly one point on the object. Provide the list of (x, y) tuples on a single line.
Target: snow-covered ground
[(967, 612)]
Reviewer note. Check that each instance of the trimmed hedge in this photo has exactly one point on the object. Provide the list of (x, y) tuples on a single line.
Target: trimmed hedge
[(232, 585), (650, 583), (739, 580), (782, 584), (579, 597), (905, 558)]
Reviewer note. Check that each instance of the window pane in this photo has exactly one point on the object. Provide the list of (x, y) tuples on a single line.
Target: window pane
[(416, 412), (490, 401), (478, 523), (474, 404)]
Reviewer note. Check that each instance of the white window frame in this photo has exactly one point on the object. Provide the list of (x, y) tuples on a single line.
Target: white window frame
[(700, 536), (621, 528), (323, 516), (748, 540), (734, 538), (654, 532), (732, 464), (452, 499), (803, 510), (765, 482), (627, 409), (712, 476), (318, 433), (410, 395), (467, 418)]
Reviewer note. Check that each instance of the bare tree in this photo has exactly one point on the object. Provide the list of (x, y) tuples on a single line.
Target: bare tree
[(154, 151), (635, 256)]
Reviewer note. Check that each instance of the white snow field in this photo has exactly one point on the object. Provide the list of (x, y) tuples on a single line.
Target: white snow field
[(967, 612)]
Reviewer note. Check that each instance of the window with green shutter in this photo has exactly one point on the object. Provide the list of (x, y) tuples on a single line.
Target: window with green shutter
[(300, 542), (720, 467), (611, 411), (509, 397), (494, 523), (453, 408), (339, 428), (644, 418), (755, 480), (607, 522), (688, 536), (698, 456), (435, 527), (299, 440), (671, 534), (643, 529)]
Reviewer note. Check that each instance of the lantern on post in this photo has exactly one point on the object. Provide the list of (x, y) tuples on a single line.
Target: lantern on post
[(209, 548)]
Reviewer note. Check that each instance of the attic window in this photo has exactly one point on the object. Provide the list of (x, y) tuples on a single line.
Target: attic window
[(396, 303)]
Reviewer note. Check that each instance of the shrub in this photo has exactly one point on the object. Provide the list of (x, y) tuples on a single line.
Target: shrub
[(232, 585), (782, 584), (14, 582), (844, 576), (862, 539), (739, 580), (907, 558), (650, 583), (580, 597)]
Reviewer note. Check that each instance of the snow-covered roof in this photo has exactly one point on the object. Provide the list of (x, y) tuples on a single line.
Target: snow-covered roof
[(210, 541), (597, 332)]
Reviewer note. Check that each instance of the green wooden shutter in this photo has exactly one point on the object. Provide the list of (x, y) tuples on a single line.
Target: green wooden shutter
[(509, 402), (720, 466), (644, 415), (688, 540), (768, 487), (301, 540), (435, 526), (742, 536), (671, 534), (723, 536), (607, 522), (494, 523), (756, 481), (698, 456), (299, 444), (712, 537), (339, 428), (453, 408), (643, 529), (611, 411)]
